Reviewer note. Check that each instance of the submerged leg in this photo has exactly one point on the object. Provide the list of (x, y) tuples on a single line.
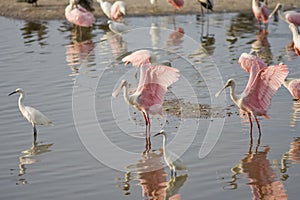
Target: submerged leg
[(148, 141), (34, 135), (251, 125), (259, 131)]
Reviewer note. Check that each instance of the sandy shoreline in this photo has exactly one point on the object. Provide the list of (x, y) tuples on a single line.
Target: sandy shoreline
[(54, 9)]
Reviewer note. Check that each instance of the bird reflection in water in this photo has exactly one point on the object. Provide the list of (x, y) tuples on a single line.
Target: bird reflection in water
[(262, 46), (79, 50), (176, 37), (262, 177), (150, 172), (116, 44), (295, 116), (30, 29), (290, 157), (28, 158)]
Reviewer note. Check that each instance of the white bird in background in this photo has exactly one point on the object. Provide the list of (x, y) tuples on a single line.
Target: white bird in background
[(117, 27), (172, 160), (105, 6), (34, 116)]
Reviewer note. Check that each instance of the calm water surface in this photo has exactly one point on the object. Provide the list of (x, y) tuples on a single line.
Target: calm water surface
[(49, 59)]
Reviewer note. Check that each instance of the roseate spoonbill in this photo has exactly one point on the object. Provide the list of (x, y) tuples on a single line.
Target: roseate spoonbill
[(290, 16), (117, 27), (172, 160), (105, 6), (137, 58), (34, 116), (118, 10), (257, 96), (177, 4), (293, 85), (78, 15), (296, 38), (249, 60), (260, 11), (149, 95)]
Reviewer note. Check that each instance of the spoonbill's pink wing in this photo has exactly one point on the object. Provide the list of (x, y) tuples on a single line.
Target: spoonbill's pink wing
[(294, 88), (154, 87), (259, 92), (137, 57), (81, 17), (247, 61), (293, 17), (178, 4)]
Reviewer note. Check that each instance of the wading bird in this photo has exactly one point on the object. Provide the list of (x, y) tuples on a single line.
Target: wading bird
[(260, 11), (257, 96), (208, 4), (32, 115), (78, 15), (171, 159), (293, 85), (118, 11), (296, 38), (149, 95), (290, 16), (105, 6), (177, 4)]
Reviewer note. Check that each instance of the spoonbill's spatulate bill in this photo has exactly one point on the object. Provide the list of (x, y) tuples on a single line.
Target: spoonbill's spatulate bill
[(149, 95), (257, 96), (34, 116)]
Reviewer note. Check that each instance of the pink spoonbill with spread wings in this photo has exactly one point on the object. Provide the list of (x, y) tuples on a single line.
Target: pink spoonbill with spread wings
[(78, 15), (290, 16), (149, 95), (293, 85), (257, 96), (260, 11)]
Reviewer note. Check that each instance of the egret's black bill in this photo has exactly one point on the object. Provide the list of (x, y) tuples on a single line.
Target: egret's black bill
[(156, 134), (12, 93)]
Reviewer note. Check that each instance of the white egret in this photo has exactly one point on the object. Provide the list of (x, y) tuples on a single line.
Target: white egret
[(172, 160), (34, 116)]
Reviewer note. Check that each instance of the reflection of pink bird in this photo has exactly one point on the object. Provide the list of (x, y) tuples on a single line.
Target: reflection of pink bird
[(118, 10), (296, 38), (293, 85), (78, 15), (256, 97), (260, 12), (149, 95), (247, 61), (175, 38), (137, 58), (290, 16), (177, 4)]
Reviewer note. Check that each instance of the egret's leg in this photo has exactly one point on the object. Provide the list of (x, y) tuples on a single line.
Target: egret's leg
[(251, 125), (34, 135)]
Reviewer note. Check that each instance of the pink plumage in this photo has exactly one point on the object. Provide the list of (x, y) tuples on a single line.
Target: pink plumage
[(118, 10), (248, 60), (177, 4), (260, 11), (296, 38), (139, 57), (293, 85), (79, 16), (293, 17)]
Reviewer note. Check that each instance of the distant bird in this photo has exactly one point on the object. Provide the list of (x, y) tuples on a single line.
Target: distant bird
[(87, 4), (260, 11), (248, 60), (171, 159), (78, 15), (208, 4), (257, 96), (177, 4), (149, 95), (296, 38), (137, 58), (289, 16), (117, 27), (32, 2), (293, 85), (118, 11), (105, 6), (32, 115)]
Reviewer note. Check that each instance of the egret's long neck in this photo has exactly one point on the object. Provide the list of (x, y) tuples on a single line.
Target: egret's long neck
[(126, 95), (164, 142), (232, 94), (20, 103)]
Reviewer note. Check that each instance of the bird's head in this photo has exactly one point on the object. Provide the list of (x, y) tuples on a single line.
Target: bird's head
[(18, 90), (162, 132), (230, 82)]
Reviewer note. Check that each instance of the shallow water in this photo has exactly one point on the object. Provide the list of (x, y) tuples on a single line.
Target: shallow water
[(94, 148)]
